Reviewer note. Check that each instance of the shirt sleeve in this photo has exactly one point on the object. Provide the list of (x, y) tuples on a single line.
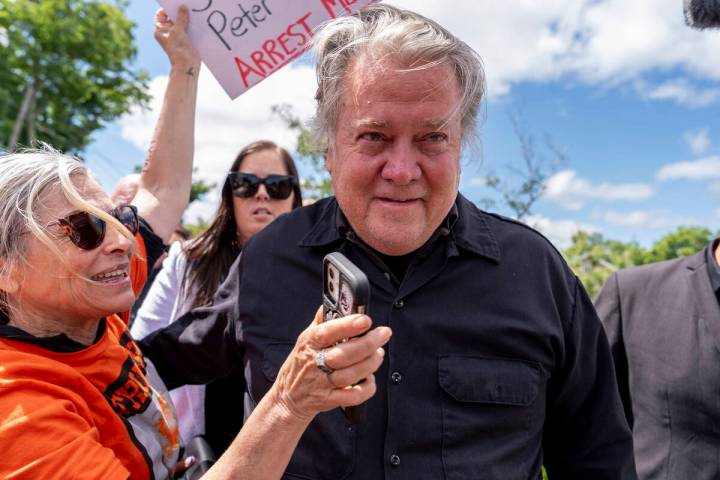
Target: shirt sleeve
[(586, 433), (159, 307), (42, 436), (608, 308), (201, 345)]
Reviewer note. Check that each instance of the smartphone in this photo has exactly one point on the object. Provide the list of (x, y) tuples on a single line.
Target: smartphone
[(346, 291)]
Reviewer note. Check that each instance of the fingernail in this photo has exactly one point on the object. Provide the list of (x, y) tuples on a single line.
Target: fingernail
[(190, 461), (384, 332), (361, 321)]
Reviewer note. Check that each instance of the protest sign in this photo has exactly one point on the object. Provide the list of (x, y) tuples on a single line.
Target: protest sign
[(244, 41)]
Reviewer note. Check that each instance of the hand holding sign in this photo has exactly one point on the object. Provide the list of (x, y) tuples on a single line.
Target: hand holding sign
[(244, 41), (173, 38)]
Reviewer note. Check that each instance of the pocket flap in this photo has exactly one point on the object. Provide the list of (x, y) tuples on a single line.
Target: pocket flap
[(273, 358), (489, 380)]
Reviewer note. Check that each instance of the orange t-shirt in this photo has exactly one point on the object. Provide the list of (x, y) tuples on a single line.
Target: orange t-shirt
[(98, 412)]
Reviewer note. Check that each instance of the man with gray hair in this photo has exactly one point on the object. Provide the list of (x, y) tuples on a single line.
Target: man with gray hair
[(498, 363)]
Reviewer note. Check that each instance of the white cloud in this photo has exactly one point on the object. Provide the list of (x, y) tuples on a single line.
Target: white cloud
[(714, 187), (599, 42), (702, 169), (646, 219), (679, 91), (559, 231), (571, 191), (224, 126), (478, 182), (698, 141)]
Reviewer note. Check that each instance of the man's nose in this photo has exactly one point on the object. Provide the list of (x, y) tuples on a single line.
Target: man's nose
[(402, 166)]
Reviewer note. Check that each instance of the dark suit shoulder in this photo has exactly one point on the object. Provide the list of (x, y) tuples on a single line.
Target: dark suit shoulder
[(657, 278)]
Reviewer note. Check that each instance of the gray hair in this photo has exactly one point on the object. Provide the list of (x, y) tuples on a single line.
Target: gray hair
[(25, 179), (384, 30)]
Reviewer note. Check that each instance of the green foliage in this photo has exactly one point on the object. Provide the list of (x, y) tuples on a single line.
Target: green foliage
[(71, 61), (317, 185), (197, 228), (681, 243), (593, 258), (198, 189)]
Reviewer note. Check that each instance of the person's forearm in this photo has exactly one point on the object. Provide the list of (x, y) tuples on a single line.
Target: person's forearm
[(262, 449), (166, 178)]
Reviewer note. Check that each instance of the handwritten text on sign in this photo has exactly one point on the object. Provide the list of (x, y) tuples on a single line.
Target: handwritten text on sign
[(244, 41)]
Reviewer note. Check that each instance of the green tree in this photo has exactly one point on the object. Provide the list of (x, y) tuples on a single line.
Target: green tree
[(198, 227), (316, 185), (198, 189), (65, 70), (593, 258), (680, 243)]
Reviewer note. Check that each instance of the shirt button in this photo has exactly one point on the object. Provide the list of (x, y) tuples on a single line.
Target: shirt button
[(394, 460), (399, 304), (387, 276), (396, 377)]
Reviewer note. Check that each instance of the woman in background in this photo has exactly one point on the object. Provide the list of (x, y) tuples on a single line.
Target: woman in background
[(262, 184)]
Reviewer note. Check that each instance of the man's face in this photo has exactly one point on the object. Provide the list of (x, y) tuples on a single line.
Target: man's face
[(395, 165)]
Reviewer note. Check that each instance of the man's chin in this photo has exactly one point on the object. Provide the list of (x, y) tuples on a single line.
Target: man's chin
[(400, 241)]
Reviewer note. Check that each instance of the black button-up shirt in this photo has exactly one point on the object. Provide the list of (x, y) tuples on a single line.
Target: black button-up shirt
[(497, 364)]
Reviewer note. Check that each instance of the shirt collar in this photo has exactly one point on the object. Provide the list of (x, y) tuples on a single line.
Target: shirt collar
[(60, 343), (713, 267), (465, 222)]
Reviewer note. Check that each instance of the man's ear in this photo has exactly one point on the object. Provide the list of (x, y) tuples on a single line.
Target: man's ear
[(330, 160), (9, 282)]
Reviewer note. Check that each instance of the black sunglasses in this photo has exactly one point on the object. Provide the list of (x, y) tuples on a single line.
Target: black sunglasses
[(245, 185), (87, 231)]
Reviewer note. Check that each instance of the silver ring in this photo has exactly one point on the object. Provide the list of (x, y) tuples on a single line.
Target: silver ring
[(320, 362)]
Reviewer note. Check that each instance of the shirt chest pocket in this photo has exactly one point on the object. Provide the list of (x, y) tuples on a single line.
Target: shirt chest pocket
[(491, 410), (327, 448)]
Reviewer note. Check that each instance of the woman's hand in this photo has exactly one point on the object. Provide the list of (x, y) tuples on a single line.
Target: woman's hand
[(173, 38), (304, 390)]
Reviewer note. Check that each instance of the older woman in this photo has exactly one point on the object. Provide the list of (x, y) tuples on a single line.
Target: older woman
[(77, 398)]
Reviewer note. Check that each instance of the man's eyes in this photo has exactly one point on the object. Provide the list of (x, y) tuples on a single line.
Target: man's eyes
[(435, 137), (371, 136)]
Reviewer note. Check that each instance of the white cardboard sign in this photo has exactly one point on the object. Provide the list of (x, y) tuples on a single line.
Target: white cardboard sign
[(244, 41)]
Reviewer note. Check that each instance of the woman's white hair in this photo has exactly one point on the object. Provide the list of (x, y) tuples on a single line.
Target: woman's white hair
[(385, 31), (26, 178)]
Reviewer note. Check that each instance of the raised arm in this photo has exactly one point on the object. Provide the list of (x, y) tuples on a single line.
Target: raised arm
[(166, 177)]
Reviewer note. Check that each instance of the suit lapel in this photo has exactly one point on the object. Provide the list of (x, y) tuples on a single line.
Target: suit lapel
[(706, 304)]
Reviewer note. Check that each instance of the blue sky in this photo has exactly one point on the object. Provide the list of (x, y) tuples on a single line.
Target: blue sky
[(627, 91)]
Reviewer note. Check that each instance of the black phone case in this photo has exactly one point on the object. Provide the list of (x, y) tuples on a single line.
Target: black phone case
[(350, 281)]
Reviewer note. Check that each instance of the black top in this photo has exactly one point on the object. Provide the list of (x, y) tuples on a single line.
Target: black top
[(155, 249), (713, 267), (497, 364)]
